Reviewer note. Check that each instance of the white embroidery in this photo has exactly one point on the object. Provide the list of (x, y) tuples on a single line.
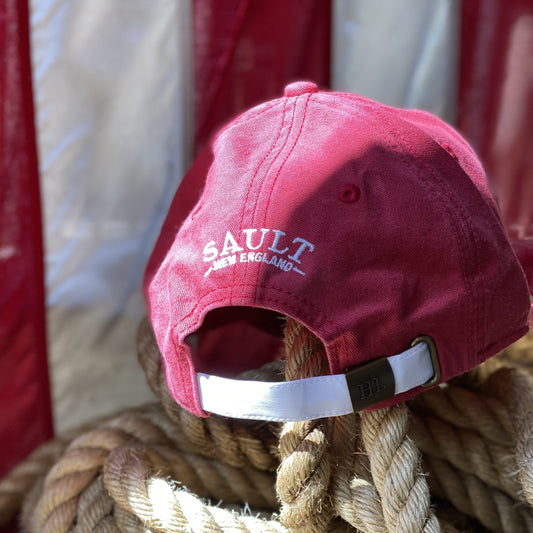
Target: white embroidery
[(242, 249)]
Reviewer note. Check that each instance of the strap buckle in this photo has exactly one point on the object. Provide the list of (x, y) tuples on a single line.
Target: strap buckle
[(370, 383)]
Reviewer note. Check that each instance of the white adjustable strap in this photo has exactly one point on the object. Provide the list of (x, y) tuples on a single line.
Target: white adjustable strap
[(324, 396)]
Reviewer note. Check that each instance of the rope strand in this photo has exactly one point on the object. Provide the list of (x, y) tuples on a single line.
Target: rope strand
[(130, 476), (304, 473), (492, 508), (355, 497), (395, 466), (466, 450)]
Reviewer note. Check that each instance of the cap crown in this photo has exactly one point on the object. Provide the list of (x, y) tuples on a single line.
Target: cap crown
[(370, 225)]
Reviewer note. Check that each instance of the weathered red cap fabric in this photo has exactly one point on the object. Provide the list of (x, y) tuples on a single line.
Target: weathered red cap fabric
[(370, 225)]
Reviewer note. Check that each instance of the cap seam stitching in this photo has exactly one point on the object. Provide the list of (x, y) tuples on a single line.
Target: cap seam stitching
[(285, 142), (290, 151), (187, 363), (173, 341), (252, 115), (252, 181), (347, 109), (272, 186), (460, 236), (200, 204), (272, 163), (450, 196)]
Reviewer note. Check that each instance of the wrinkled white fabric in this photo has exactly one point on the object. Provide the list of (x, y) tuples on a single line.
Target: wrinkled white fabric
[(400, 52), (112, 83)]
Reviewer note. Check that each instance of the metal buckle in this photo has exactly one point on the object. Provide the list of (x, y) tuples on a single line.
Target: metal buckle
[(434, 359), (370, 383)]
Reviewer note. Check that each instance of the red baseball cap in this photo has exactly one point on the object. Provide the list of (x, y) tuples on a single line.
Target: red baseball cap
[(372, 226)]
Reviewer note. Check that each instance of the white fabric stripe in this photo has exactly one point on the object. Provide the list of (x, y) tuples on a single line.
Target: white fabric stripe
[(412, 64), (305, 399), (113, 86)]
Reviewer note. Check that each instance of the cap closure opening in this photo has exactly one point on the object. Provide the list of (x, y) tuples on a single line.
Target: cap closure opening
[(434, 359)]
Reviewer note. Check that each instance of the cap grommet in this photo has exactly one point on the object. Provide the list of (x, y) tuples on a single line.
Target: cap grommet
[(350, 193)]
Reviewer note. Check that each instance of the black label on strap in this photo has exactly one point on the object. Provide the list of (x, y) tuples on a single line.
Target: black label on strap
[(370, 383)]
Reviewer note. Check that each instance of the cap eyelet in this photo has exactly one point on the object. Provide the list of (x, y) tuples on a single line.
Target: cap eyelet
[(350, 193), (434, 359)]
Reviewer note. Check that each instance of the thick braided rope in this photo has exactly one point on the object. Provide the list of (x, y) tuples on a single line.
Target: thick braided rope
[(493, 424), (131, 477), (467, 409), (127, 522), (15, 486), (449, 515), (396, 471), (356, 498), (207, 476), (142, 428), (354, 495), (519, 354), (240, 444), (58, 506), (55, 511), (95, 509), (515, 390), (494, 509), (31, 472), (304, 473), (467, 451), (497, 415)]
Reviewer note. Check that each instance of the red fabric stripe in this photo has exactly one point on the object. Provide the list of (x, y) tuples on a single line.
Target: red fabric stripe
[(245, 52), (496, 107), (25, 419)]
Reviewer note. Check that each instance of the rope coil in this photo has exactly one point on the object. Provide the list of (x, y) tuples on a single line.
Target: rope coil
[(157, 467)]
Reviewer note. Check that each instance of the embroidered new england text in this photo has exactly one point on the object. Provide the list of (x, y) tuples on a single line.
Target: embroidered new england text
[(272, 247)]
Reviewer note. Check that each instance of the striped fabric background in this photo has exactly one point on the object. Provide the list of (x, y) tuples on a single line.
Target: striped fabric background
[(124, 95)]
